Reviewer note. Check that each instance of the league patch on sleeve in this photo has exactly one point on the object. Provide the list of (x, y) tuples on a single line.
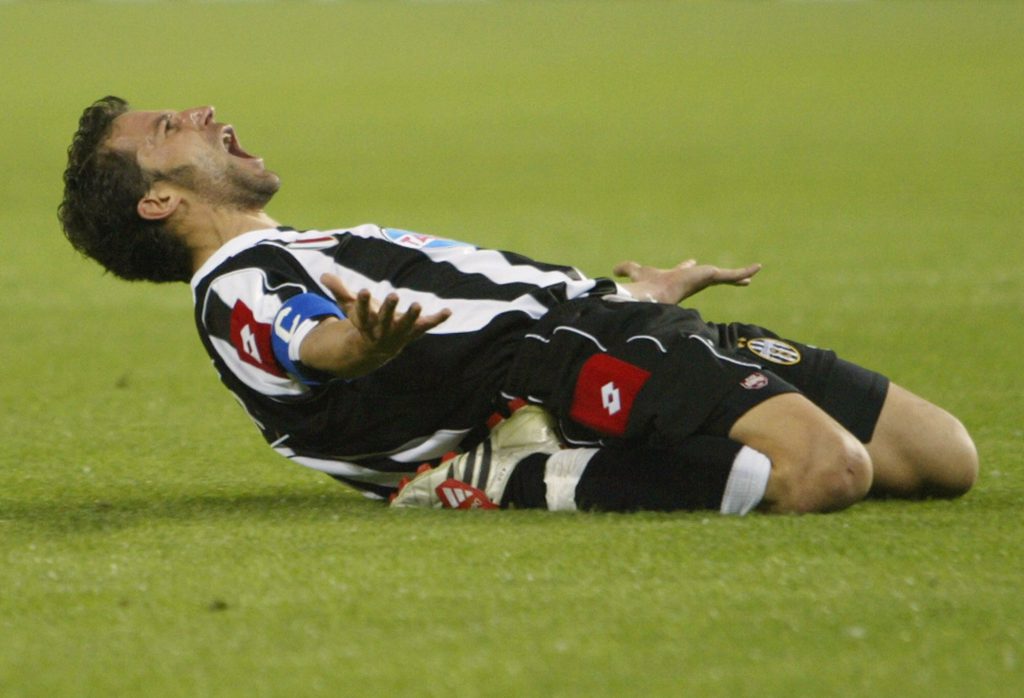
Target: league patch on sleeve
[(605, 392), (418, 241)]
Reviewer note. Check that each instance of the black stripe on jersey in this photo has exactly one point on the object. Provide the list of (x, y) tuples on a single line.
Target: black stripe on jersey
[(413, 269), (217, 317)]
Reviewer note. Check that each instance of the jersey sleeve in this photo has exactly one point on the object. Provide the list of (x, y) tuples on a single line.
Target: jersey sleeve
[(254, 319)]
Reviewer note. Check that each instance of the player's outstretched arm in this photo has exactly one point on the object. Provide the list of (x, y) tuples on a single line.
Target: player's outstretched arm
[(681, 281), (372, 333)]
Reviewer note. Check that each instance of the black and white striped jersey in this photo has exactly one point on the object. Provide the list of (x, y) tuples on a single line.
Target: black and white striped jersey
[(431, 398)]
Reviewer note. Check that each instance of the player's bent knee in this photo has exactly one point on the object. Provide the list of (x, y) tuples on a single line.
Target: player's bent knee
[(817, 465), (921, 450), (834, 473), (960, 466), (849, 474)]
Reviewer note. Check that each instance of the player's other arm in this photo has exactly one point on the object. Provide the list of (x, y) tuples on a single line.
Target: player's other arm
[(681, 281), (371, 333)]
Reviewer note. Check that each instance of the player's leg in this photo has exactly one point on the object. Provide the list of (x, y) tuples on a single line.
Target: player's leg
[(784, 454), (916, 448), (704, 473), (635, 373), (523, 465), (919, 449), (816, 465)]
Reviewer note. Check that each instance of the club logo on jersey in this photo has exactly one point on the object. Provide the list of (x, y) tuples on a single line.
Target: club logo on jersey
[(774, 350), (418, 241), (605, 392), (251, 340), (755, 381)]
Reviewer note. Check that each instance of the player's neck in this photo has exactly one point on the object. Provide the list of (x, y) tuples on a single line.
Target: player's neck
[(208, 228)]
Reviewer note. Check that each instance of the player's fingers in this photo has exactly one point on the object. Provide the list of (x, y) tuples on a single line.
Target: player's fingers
[(362, 313), (429, 322), (386, 314), (421, 325), (686, 264), (628, 268), (337, 288), (404, 323), (739, 277)]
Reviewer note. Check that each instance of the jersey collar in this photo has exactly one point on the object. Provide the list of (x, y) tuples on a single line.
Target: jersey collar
[(238, 244)]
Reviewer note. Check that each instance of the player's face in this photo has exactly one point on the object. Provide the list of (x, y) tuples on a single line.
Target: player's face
[(196, 152)]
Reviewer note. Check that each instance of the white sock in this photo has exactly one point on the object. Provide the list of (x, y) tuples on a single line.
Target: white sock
[(747, 482), (562, 473)]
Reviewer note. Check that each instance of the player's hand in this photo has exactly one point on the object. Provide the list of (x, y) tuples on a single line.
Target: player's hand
[(385, 330), (681, 281)]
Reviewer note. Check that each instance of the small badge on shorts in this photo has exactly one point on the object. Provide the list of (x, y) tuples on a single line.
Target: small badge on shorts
[(774, 350), (755, 381)]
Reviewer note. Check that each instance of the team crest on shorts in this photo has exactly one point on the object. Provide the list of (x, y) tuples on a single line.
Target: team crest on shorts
[(774, 350)]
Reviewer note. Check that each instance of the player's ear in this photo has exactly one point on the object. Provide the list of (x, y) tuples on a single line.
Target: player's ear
[(160, 202)]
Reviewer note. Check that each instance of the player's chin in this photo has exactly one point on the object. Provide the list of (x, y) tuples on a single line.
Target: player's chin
[(272, 180), (264, 179), (255, 190)]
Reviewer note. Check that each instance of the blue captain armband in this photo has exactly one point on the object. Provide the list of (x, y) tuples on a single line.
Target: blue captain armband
[(293, 322)]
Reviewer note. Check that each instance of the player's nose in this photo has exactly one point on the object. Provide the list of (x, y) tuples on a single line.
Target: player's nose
[(199, 116)]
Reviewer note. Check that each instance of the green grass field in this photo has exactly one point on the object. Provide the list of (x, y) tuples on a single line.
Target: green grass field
[(870, 154)]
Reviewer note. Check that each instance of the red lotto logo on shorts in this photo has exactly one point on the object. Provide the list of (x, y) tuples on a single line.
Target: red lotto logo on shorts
[(604, 395)]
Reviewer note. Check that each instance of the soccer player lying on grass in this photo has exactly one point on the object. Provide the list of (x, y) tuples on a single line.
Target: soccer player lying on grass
[(365, 352)]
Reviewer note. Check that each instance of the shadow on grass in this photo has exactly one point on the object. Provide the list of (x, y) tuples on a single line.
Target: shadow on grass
[(84, 514), (90, 515)]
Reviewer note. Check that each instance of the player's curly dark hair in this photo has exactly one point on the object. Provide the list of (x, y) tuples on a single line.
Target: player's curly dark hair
[(102, 187)]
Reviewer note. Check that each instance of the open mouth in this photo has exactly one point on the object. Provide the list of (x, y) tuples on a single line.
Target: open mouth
[(231, 144)]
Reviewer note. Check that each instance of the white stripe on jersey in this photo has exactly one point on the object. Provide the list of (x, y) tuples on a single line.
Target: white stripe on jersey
[(345, 469), (490, 264), (258, 380), (413, 453)]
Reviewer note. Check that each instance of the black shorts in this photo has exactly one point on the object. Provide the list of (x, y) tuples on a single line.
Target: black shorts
[(620, 371)]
